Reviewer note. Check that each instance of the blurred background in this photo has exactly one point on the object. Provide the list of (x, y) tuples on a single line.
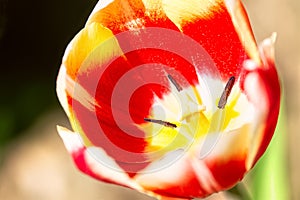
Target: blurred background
[(33, 35)]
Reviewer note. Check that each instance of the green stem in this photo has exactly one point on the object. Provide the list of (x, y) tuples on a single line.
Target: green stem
[(270, 176), (241, 191)]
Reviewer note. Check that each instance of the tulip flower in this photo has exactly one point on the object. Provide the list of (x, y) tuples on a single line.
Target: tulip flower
[(170, 98)]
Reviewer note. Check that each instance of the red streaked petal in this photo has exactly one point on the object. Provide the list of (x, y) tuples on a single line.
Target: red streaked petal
[(85, 160), (126, 148)]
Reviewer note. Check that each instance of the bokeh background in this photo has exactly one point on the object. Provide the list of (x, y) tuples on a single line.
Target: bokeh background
[(33, 35)]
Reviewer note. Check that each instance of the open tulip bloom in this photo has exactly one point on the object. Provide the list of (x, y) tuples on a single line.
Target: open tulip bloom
[(172, 98)]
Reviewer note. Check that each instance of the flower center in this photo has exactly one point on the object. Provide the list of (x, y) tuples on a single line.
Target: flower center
[(180, 119)]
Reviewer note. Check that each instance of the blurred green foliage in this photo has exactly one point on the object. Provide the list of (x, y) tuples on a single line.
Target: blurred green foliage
[(270, 175), (33, 37)]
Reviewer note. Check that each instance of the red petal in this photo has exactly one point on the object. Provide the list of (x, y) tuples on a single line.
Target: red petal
[(228, 173)]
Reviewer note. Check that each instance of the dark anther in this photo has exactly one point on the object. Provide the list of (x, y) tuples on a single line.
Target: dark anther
[(174, 82), (161, 122), (226, 93)]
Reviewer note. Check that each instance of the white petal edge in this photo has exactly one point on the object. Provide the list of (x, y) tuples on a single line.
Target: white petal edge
[(267, 50), (71, 140), (61, 89)]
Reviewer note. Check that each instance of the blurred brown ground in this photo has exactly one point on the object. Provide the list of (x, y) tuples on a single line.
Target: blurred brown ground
[(38, 167)]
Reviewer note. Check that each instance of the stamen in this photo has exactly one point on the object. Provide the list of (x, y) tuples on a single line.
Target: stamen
[(226, 93), (161, 122), (174, 82)]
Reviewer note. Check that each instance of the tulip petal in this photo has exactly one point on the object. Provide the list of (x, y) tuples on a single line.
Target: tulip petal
[(182, 13), (174, 176), (242, 27), (227, 159), (83, 45), (76, 53), (210, 24), (222, 168), (124, 15), (78, 92), (263, 80)]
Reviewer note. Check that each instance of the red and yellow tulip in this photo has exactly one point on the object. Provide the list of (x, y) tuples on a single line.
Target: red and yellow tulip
[(170, 98)]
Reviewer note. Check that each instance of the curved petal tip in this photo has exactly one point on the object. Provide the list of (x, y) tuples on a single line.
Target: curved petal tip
[(267, 49), (72, 141)]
